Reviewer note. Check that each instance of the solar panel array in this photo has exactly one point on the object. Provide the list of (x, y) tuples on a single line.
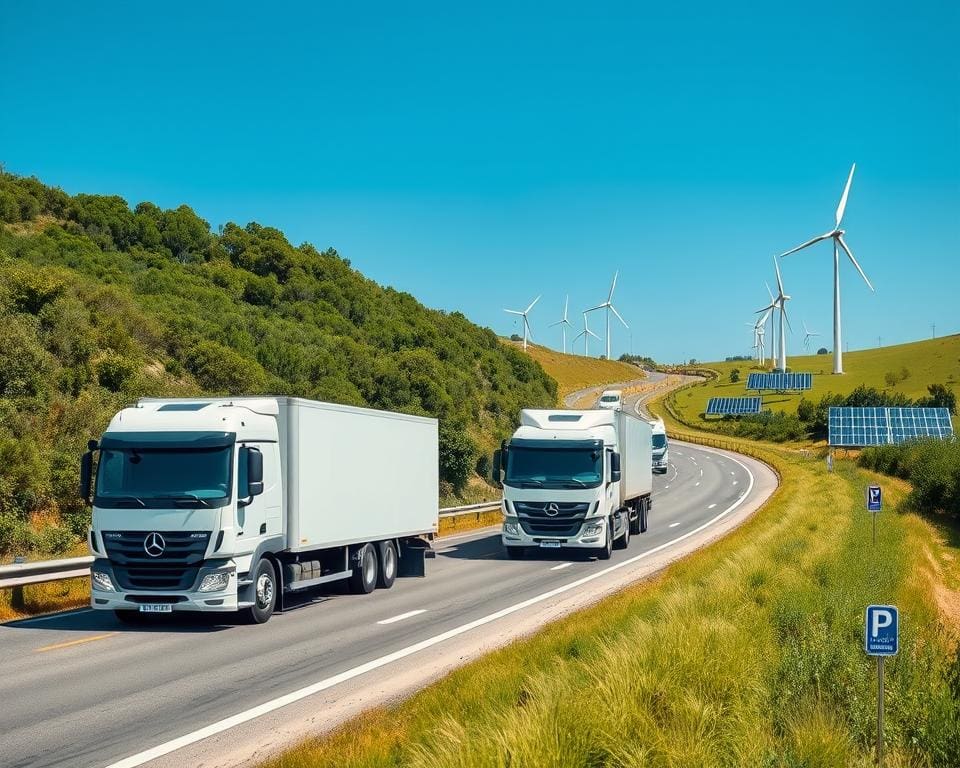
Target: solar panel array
[(733, 406), (780, 382), (859, 427)]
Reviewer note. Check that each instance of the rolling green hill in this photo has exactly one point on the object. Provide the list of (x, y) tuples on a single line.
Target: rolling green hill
[(904, 371), (101, 304)]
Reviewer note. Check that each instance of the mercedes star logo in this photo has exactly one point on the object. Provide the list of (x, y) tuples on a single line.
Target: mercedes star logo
[(154, 545), (552, 509)]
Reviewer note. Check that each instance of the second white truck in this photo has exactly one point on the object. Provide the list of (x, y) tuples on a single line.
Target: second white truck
[(575, 479)]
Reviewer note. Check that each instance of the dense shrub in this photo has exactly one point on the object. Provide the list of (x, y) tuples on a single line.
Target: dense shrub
[(931, 466)]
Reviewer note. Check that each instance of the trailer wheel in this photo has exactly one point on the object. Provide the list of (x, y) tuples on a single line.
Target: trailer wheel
[(607, 552), (264, 594), (624, 540), (644, 510), (635, 521), (388, 564), (364, 577), (516, 553)]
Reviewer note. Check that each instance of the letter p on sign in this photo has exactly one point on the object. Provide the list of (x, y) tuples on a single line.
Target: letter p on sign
[(882, 630)]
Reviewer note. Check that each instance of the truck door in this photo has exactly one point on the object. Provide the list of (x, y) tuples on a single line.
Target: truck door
[(261, 516)]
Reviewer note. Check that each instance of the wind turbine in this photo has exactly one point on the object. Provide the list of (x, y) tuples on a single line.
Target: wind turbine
[(564, 323), (527, 333), (767, 313), (836, 234), (780, 302), (586, 333), (608, 305), (807, 335)]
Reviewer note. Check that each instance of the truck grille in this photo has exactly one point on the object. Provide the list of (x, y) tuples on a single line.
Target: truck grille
[(538, 518), (174, 568)]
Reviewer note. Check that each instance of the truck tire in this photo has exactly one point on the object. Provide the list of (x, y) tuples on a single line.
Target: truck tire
[(264, 594), (607, 552), (516, 553), (635, 522), (387, 552), (644, 511), (623, 541), (363, 580)]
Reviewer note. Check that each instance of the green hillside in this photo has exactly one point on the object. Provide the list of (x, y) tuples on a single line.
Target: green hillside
[(101, 304), (898, 373)]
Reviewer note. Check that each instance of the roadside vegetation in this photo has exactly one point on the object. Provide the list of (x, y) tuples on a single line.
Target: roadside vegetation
[(932, 467), (575, 372), (101, 303), (747, 653)]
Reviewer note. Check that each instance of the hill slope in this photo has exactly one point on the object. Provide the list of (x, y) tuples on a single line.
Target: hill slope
[(573, 372), (101, 304), (901, 371)]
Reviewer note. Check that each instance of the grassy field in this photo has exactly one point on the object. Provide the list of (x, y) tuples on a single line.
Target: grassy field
[(573, 372), (928, 362), (748, 653)]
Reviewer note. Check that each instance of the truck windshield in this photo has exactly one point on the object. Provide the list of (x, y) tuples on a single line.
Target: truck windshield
[(659, 441), (609, 399), (194, 477), (554, 468)]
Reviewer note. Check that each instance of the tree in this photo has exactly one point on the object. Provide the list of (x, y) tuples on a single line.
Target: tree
[(734, 375), (940, 397), (823, 351)]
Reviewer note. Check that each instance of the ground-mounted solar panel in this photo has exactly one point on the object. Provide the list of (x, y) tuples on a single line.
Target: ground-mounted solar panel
[(733, 406), (780, 382), (861, 427)]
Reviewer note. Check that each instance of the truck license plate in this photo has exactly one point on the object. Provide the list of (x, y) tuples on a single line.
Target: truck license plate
[(550, 544), (156, 608)]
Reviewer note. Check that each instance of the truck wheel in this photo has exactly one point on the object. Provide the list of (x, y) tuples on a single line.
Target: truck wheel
[(388, 564), (516, 553), (635, 522), (128, 617), (607, 552), (364, 577), (644, 511), (264, 594), (624, 541)]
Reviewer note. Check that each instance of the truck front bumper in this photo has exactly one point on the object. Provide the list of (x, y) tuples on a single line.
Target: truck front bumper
[(592, 535), (122, 599)]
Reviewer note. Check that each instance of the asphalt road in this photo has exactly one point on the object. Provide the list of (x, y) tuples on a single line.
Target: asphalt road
[(80, 689)]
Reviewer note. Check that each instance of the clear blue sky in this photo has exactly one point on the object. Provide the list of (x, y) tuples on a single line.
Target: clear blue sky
[(476, 155)]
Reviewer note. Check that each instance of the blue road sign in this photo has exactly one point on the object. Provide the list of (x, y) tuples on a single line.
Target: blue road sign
[(874, 498), (882, 634)]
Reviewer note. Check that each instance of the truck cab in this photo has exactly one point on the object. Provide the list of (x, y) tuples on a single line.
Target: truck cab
[(187, 496)]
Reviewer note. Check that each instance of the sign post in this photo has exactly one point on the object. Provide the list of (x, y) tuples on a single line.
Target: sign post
[(881, 639), (874, 504)]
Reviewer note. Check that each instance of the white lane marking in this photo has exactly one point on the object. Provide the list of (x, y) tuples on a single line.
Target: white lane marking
[(561, 566), (711, 506), (701, 473), (402, 616), (673, 525), (735, 482), (696, 484), (733, 473), (665, 487), (281, 701)]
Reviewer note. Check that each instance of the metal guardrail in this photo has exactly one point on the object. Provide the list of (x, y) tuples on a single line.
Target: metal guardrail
[(41, 571)]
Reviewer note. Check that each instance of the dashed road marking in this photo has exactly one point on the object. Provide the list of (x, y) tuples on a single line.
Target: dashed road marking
[(561, 566), (402, 616)]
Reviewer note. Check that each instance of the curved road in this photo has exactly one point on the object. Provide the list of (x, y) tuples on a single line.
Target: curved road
[(80, 689)]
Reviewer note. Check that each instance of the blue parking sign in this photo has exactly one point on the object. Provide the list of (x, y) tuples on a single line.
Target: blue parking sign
[(882, 632), (874, 498)]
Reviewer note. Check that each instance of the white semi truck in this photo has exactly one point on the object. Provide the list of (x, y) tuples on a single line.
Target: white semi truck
[(231, 504), (661, 448), (574, 479)]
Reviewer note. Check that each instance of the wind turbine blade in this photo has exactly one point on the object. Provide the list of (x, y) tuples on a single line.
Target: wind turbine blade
[(593, 334), (513, 312), (768, 308), (613, 285), (769, 291), (566, 306), (594, 309), (779, 279), (614, 310), (843, 245), (526, 325), (805, 329), (843, 197), (531, 304), (579, 335), (783, 309), (559, 322), (817, 239)]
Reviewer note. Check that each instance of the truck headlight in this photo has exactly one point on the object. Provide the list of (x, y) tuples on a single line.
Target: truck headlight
[(102, 581), (215, 582), (512, 527), (593, 529)]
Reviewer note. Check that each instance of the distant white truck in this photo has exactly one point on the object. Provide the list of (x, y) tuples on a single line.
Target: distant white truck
[(228, 504), (574, 479), (661, 448), (611, 399)]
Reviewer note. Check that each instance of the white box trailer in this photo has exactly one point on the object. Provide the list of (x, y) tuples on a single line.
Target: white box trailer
[(636, 443), (227, 504)]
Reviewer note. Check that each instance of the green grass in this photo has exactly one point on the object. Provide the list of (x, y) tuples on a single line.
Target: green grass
[(748, 653), (935, 361), (574, 372)]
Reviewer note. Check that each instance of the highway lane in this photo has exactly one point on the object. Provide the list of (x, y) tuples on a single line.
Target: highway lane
[(81, 689)]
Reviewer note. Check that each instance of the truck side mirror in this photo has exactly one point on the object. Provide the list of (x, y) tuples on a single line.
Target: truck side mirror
[(496, 473), (86, 476), (254, 472), (614, 467)]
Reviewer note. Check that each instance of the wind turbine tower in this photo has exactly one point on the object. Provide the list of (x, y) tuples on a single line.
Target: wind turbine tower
[(836, 234), (527, 333), (608, 305), (563, 323)]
